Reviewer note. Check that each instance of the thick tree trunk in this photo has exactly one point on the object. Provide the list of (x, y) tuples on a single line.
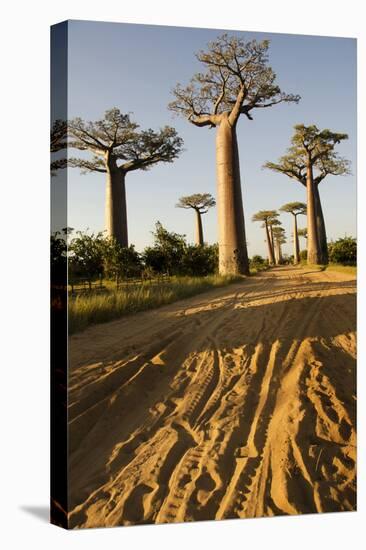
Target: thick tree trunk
[(296, 242), (233, 255), (272, 244), (322, 235), (115, 207), (271, 258), (278, 253), (199, 230), (314, 255)]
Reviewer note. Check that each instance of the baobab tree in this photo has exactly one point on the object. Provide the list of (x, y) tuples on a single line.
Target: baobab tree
[(118, 147), (296, 209), (236, 80), (303, 232), (278, 240), (267, 217), (273, 222), (200, 203), (309, 159)]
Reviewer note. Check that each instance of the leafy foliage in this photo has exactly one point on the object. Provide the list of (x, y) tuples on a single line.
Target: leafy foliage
[(171, 254), (200, 260), (294, 208), (343, 251), (303, 255), (116, 141), (199, 201), (309, 145), (167, 253), (120, 262), (279, 235), (258, 263), (86, 255), (266, 216)]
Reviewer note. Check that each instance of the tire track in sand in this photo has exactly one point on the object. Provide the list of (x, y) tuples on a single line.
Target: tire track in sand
[(244, 406)]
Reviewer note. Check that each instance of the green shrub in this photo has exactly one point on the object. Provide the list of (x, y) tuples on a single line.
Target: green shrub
[(86, 255), (343, 251), (303, 255), (171, 254), (165, 256), (120, 262), (257, 263), (200, 260)]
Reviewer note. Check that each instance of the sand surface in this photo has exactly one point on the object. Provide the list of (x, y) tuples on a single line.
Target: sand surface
[(236, 403)]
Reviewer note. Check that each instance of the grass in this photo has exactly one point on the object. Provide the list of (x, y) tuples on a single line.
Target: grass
[(351, 269), (258, 269), (89, 309)]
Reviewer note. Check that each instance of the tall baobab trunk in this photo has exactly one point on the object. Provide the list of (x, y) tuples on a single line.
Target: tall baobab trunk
[(199, 230), (296, 242), (272, 244), (233, 255), (278, 253), (115, 207), (314, 255), (322, 235), (271, 258)]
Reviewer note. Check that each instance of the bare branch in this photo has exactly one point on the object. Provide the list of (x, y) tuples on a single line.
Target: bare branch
[(237, 109), (237, 80), (95, 165), (116, 138)]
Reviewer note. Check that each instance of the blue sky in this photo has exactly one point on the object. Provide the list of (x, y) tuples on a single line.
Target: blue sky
[(135, 67)]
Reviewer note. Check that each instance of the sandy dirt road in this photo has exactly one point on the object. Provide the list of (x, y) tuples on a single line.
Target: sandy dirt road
[(239, 402)]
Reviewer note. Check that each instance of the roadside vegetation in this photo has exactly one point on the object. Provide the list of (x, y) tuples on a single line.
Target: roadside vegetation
[(89, 309), (342, 255), (107, 280)]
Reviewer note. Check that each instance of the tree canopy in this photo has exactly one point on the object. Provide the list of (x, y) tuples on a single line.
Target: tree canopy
[(199, 201), (265, 216), (295, 208), (303, 232), (236, 79), (118, 140), (314, 146), (279, 234)]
